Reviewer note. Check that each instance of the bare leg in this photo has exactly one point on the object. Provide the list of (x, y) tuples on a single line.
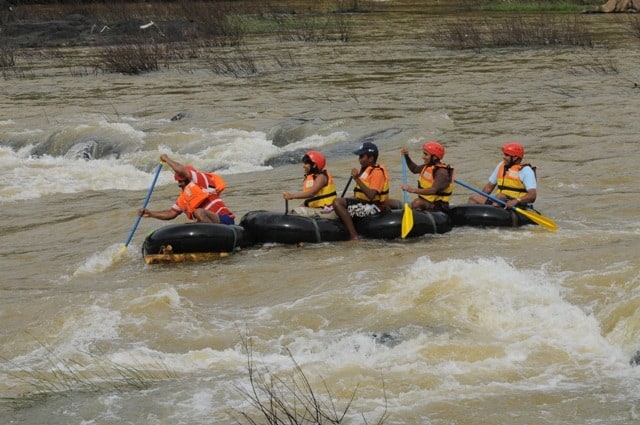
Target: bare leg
[(477, 199), (393, 204), (340, 208), (421, 204), (205, 216)]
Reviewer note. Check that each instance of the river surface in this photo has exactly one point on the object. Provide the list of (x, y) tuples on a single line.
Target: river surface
[(475, 326)]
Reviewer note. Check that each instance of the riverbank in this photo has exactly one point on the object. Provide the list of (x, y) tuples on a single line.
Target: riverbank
[(97, 24)]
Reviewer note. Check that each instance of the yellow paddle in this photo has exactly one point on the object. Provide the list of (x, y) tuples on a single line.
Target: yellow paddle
[(543, 221), (407, 214), (144, 205)]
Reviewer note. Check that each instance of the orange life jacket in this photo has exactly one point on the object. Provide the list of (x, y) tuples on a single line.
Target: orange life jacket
[(365, 177), (194, 196), (215, 182), (215, 186), (211, 182)]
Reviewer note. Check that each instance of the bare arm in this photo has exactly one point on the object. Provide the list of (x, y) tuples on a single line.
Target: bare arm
[(370, 193), (415, 168), (488, 188), (169, 214), (529, 197), (318, 183), (176, 166), (480, 199)]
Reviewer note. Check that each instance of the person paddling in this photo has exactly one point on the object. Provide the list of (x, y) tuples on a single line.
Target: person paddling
[(516, 181), (435, 184), (370, 192), (199, 198), (318, 189)]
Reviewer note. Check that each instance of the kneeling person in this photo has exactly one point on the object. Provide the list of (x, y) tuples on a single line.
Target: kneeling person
[(199, 199)]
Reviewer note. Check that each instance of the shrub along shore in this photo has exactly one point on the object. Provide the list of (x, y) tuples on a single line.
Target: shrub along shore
[(132, 37)]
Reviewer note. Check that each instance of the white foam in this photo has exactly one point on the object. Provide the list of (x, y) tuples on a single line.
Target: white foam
[(74, 170), (101, 261), (48, 175)]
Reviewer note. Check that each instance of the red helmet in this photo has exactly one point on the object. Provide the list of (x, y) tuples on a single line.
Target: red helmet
[(513, 149), (317, 159), (178, 177), (434, 148)]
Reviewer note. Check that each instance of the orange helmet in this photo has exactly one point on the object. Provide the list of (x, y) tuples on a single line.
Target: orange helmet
[(434, 148), (513, 149), (317, 159)]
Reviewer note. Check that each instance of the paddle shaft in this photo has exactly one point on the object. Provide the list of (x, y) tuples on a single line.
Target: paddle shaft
[(478, 191), (144, 205), (407, 213), (346, 187), (404, 179)]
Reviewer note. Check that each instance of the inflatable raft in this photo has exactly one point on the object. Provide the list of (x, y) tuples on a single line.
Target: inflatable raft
[(388, 225), (192, 242), (486, 216), (277, 227)]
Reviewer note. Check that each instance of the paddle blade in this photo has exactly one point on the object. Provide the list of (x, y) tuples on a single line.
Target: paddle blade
[(407, 221), (543, 221)]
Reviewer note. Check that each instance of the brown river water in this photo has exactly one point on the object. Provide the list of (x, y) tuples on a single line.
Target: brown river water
[(475, 326)]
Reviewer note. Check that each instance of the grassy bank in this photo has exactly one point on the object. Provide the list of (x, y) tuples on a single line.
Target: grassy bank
[(134, 37), (557, 6)]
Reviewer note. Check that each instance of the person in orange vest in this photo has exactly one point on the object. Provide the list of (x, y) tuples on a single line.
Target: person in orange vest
[(370, 193), (318, 189), (516, 181), (435, 184), (199, 199)]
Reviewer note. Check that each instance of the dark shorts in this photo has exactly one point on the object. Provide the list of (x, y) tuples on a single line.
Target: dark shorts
[(360, 208), (433, 206), (226, 219), (440, 206)]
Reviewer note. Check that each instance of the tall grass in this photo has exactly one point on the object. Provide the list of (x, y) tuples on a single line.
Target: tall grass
[(292, 399), (134, 58), (514, 31), (558, 6), (60, 377), (136, 37)]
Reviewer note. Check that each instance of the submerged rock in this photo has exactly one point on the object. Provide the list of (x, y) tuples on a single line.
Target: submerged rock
[(179, 116), (386, 338)]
